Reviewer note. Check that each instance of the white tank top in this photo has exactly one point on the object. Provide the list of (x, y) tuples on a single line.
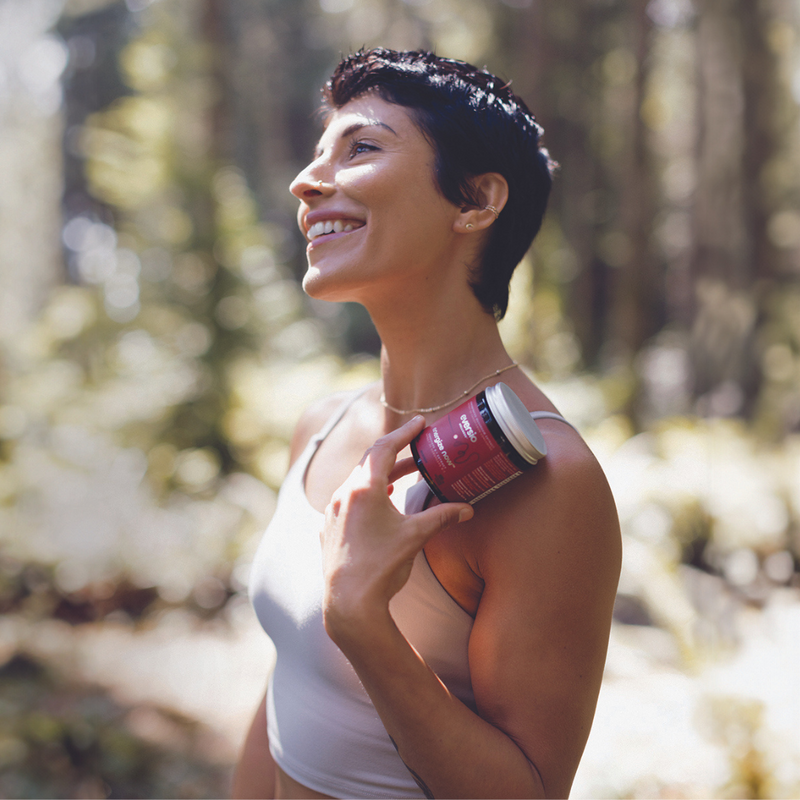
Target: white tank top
[(323, 729)]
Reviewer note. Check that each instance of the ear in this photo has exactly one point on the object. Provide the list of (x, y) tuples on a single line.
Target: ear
[(491, 189)]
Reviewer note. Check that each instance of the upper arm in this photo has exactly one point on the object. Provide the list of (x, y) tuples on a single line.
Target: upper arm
[(550, 564)]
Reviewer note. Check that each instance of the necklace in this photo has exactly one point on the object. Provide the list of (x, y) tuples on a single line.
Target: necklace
[(450, 402)]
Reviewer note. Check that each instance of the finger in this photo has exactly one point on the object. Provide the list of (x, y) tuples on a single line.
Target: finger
[(404, 466), (437, 518), (399, 437), (381, 457)]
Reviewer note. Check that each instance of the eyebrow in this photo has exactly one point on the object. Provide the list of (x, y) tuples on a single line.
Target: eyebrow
[(357, 126)]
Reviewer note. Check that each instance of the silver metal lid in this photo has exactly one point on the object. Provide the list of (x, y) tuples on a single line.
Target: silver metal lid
[(516, 422)]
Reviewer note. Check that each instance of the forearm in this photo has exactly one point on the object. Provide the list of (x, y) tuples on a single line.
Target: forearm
[(254, 776), (449, 748)]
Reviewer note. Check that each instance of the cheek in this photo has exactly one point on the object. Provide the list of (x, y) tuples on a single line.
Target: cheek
[(364, 180)]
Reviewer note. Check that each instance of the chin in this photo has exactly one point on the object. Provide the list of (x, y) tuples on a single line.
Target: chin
[(324, 287), (308, 281), (315, 284)]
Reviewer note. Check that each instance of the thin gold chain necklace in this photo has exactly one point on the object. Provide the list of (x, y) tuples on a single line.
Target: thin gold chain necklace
[(449, 403)]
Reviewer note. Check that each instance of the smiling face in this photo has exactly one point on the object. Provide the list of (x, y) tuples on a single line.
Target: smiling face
[(370, 208)]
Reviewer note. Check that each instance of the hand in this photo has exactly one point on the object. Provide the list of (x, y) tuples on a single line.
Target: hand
[(368, 546)]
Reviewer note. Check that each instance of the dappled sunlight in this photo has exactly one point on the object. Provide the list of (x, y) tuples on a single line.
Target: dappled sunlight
[(157, 351)]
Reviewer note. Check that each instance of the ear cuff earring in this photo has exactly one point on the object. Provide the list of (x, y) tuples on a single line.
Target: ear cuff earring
[(469, 226)]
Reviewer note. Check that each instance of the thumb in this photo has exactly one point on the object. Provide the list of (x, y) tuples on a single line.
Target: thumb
[(437, 518)]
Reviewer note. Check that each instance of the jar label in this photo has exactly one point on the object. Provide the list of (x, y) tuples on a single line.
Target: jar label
[(461, 456)]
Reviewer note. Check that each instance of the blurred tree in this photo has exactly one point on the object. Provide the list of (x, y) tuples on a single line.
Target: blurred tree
[(32, 60), (669, 228), (585, 69), (724, 272), (746, 138)]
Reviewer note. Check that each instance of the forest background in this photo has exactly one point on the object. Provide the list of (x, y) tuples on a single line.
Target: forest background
[(155, 351)]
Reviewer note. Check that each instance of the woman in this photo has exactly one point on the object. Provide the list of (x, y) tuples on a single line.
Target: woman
[(443, 650)]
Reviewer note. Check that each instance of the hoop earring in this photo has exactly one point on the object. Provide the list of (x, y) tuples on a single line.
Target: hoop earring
[(493, 210)]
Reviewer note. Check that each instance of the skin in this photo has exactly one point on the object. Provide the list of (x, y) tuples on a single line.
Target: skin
[(535, 564)]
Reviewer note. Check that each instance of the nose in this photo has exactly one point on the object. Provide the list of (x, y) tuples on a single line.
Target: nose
[(308, 185)]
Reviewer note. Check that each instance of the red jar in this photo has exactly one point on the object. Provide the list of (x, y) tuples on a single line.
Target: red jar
[(478, 447)]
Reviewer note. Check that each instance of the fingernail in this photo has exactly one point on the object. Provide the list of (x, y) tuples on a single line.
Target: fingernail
[(416, 417), (464, 514)]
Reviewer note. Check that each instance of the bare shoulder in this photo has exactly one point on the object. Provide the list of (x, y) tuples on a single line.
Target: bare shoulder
[(313, 419), (563, 505), (569, 484), (561, 511)]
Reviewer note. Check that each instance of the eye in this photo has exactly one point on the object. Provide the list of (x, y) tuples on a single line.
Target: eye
[(358, 148)]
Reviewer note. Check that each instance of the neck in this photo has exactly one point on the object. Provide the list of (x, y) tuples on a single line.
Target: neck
[(433, 352)]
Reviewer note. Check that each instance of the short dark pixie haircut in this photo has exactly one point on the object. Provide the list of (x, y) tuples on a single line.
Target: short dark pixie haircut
[(475, 124)]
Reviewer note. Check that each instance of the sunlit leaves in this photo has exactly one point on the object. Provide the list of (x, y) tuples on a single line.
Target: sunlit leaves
[(147, 62), (128, 150)]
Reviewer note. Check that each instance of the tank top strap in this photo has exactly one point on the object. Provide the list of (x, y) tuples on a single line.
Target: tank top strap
[(337, 415), (552, 415)]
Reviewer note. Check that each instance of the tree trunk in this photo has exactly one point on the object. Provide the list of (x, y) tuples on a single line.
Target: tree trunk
[(637, 308), (733, 255)]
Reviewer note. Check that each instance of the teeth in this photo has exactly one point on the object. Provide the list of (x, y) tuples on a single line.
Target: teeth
[(329, 226)]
